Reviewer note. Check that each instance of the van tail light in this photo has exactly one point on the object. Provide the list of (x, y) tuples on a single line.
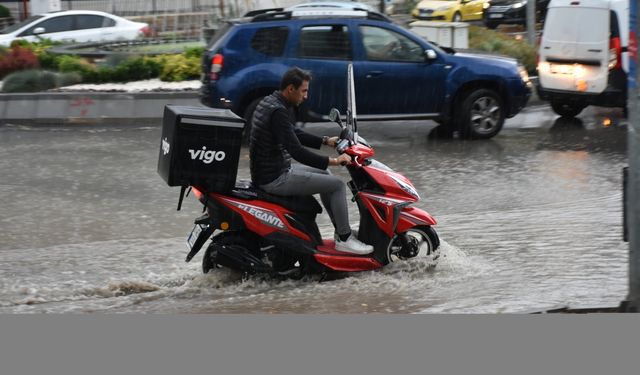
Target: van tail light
[(615, 54), (216, 66)]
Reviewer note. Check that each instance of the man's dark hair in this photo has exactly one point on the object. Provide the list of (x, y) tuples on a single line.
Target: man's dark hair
[(294, 76)]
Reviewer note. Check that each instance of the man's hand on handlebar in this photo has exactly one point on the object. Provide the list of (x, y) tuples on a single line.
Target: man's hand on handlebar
[(330, 141), (343, 159)]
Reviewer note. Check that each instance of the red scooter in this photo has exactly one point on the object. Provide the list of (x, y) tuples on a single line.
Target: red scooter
[(262, 233)]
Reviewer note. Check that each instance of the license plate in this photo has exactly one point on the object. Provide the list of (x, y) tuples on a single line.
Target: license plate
[(495, 15), (560, 69), (193, 236)]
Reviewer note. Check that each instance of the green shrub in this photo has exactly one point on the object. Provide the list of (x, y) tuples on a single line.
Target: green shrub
[(487, 40), (136, 69), (38, 80), (75, 64), (115, 60), (179, 67), (4, 11), (30, 81), (68, 79), (194, 52), (47, 60)]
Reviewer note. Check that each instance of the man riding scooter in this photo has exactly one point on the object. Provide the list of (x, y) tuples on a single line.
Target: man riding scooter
[(275, 140)]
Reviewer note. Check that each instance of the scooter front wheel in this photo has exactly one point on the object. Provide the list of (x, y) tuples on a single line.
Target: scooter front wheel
[(420, 241)]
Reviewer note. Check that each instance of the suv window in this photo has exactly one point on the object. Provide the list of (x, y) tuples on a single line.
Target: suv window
[(325, 42), (52, 25), (386, 45), (270, 41)]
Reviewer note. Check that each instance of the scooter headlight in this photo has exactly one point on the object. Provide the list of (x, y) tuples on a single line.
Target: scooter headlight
[(406, 187)]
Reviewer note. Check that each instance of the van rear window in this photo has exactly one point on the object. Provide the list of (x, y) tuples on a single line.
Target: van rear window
[(568, 24)]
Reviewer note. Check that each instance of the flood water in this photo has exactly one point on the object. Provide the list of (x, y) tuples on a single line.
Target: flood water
[(529, 220)]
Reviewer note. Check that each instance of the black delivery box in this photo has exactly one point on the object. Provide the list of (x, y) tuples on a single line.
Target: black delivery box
[(200, 146)]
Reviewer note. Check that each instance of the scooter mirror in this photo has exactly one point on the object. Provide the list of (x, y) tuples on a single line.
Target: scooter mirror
[(334, 115)]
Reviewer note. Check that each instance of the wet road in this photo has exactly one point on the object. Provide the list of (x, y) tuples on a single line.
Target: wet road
[(530, 219)]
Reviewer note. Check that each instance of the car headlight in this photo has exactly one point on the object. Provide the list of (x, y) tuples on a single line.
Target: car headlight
[(519, 5), (523, 74), (486, 5)]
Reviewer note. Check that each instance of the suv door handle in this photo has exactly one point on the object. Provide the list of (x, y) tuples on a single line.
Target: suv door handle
[(374, 73)]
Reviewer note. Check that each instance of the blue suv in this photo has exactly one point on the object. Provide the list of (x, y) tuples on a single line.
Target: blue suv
[(398, 75)]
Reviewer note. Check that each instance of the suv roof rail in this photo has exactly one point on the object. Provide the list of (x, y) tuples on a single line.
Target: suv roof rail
[(254, 13), (272, 16), (275, 14)]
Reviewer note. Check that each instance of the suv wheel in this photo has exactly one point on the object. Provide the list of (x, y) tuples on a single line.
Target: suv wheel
[(566, 109), (481, 115), (248, 115)]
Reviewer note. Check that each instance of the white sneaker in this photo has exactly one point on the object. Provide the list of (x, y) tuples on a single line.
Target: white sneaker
[(336, 238), (353, 245)]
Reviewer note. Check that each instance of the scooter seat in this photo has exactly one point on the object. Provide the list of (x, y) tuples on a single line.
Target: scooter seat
[(297, 203)]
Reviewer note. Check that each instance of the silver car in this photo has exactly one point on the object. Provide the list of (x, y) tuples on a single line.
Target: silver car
[(74, 26)]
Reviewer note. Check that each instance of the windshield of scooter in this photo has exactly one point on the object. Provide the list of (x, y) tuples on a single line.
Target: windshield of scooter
[(378, 165)]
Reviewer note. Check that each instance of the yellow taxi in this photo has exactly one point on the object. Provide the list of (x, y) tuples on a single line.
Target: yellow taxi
[(450, 10)]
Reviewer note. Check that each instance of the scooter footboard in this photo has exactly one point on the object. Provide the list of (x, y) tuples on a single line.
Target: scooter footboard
[(411, 217)]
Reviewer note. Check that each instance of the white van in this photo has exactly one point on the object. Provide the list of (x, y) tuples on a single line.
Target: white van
[(583, 57)]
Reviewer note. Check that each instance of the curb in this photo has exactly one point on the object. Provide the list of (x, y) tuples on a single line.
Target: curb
[(57, 108)]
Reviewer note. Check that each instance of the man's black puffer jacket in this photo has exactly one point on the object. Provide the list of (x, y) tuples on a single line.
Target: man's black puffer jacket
[(274, 141)]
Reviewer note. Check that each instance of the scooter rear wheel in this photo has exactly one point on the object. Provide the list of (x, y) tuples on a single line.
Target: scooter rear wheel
[(231, 238), (422, 241)]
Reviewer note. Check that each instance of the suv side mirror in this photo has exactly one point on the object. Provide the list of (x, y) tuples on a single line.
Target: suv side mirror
[(430, 54), (39, 30)]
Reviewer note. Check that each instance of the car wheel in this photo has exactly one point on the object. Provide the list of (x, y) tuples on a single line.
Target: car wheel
[(457, 17), (482, 114), (248, 115), (566, 109)]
